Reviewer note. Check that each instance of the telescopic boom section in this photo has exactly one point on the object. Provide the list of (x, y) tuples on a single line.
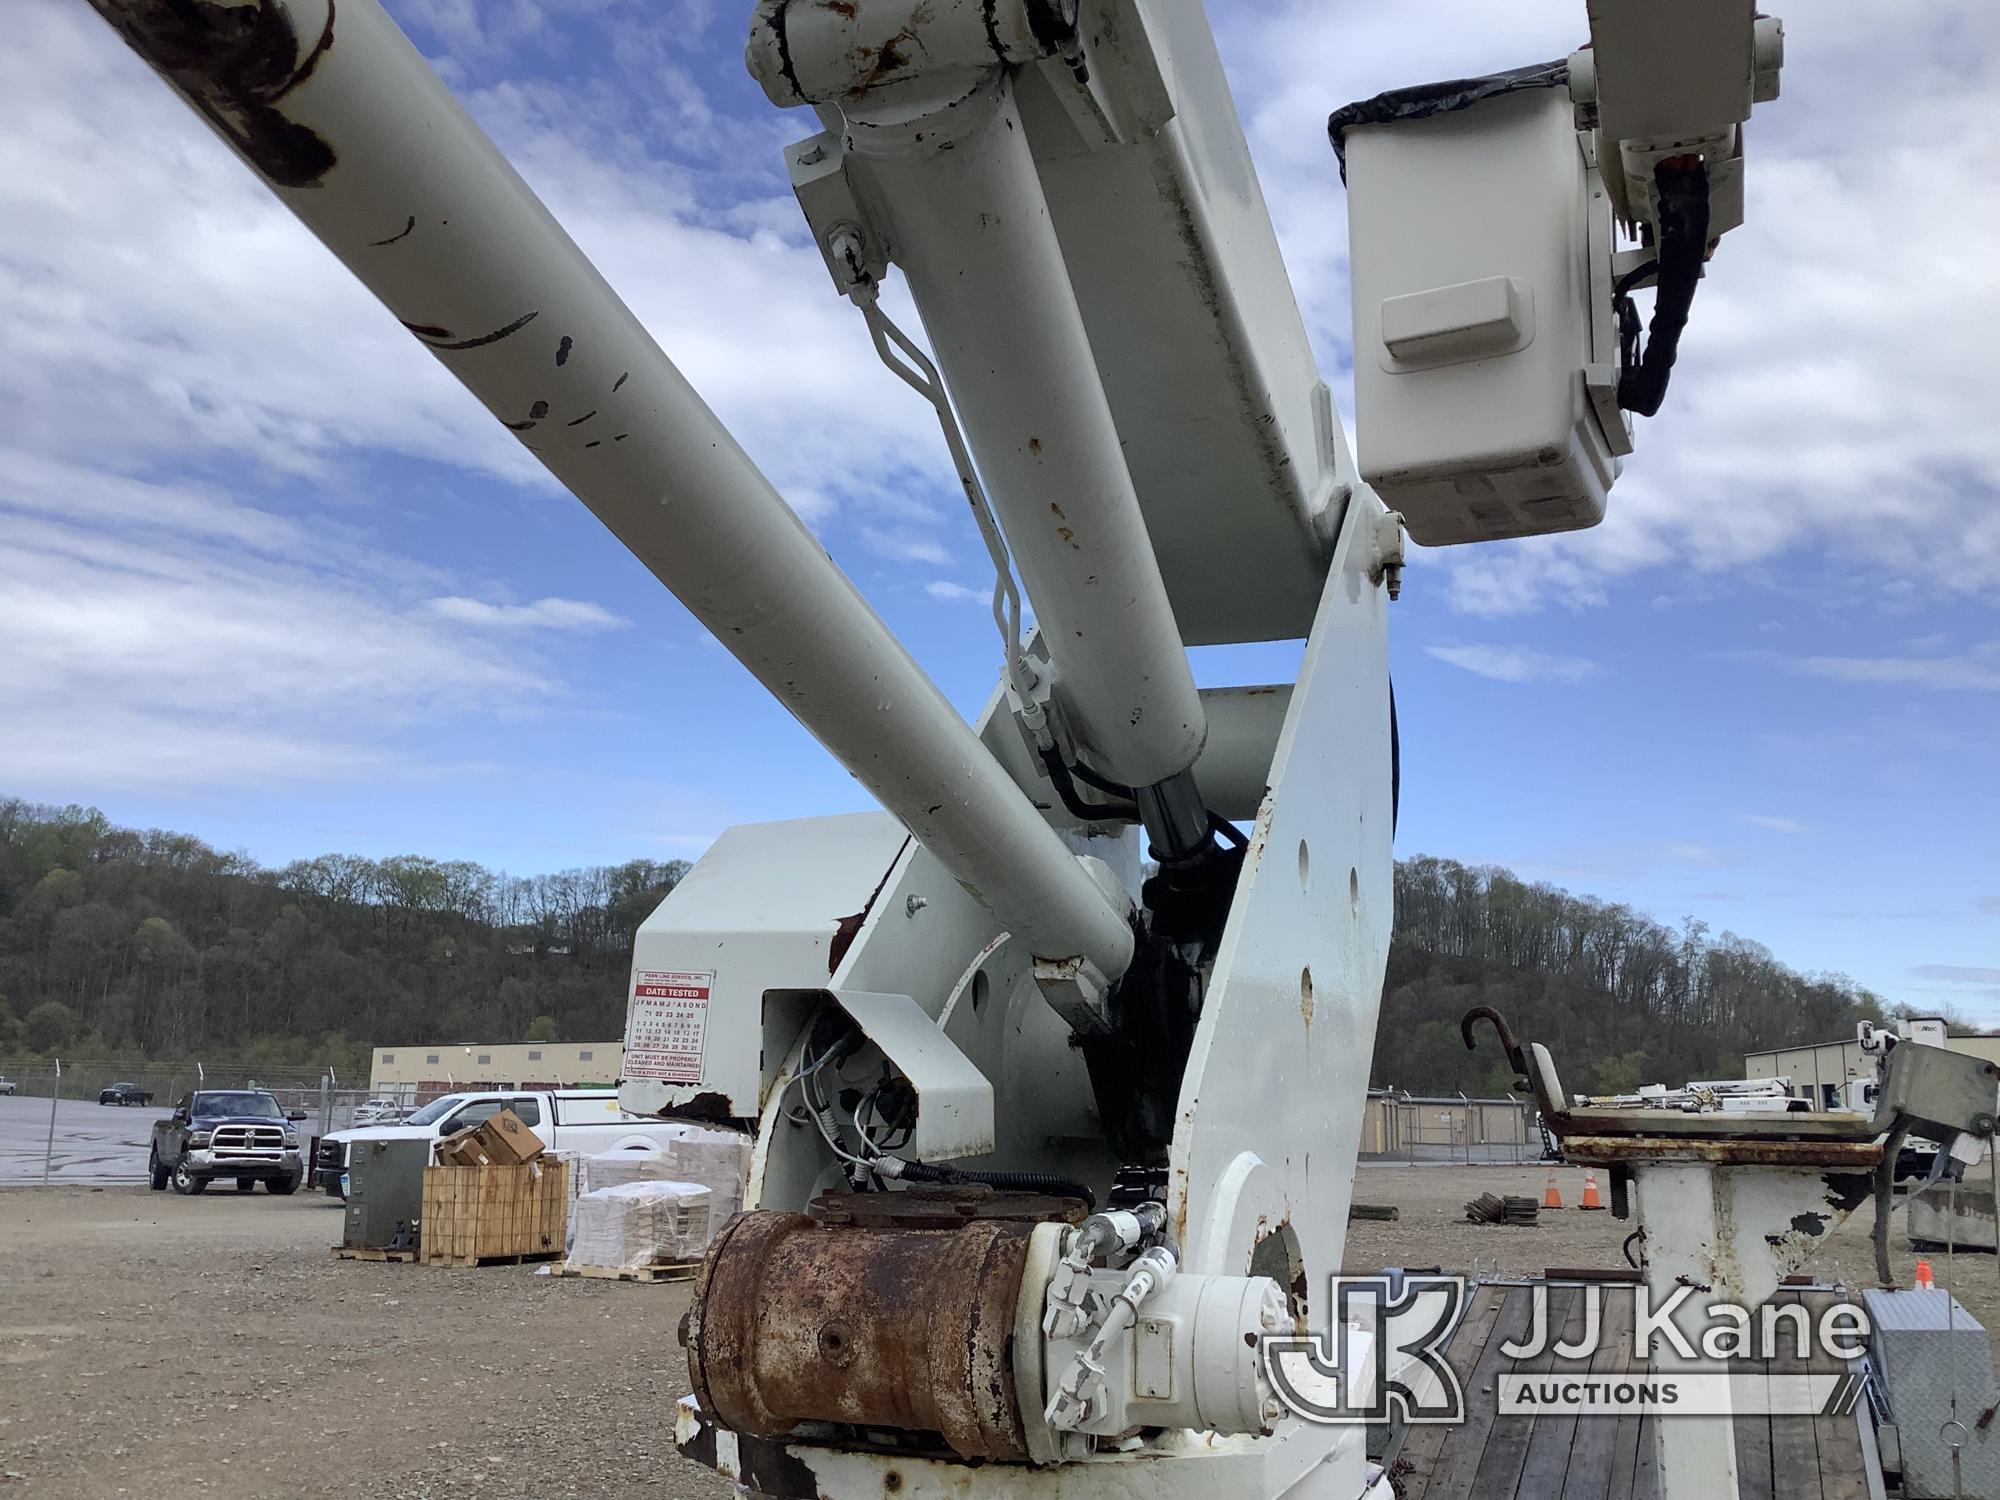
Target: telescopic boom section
[(328, 102)]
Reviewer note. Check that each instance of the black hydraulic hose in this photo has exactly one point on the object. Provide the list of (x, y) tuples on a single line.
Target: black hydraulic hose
[(1072, 799), (1682, 182), (1102, 782), (1061, 772), (1007, 1182), (1885, 1202), (1221, 826)]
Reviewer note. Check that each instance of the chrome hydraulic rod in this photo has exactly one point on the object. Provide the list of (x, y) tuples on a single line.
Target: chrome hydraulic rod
[(342, 118)]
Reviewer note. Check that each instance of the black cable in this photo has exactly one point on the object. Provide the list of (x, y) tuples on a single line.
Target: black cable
[(1060, 772), (1103, 783), (1682, 184), (1089, 812), (1217, 824)]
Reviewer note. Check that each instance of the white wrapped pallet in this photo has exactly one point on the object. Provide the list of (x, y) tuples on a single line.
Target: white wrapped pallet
[(636, 1224), (616, 1168), (720, 1161)]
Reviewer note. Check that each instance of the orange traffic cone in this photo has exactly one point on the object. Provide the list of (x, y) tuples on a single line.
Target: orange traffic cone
[(1552, 1195), (1590, 1198), (1923, 1277)]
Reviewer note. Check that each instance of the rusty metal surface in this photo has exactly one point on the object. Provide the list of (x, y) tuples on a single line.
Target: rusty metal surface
[(942, 1208), (1798, 1126), (909, 1329), (235, 63), (1848, 1155)]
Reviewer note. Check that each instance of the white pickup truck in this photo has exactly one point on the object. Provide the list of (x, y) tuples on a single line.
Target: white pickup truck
[(587, 1121)]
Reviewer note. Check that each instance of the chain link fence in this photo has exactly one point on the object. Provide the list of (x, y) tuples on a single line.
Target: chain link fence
[(313, 1094), (1451, 1128)]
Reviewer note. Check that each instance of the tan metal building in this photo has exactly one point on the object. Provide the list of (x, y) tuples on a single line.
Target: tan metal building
[(423, 1070), (1817, 1070)]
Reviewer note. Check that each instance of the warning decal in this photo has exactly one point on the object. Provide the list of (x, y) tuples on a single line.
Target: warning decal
[(668, 1026)]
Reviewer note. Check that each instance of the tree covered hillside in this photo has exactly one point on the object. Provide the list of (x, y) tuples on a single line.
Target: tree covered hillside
[(1618, 998), (116, 942)]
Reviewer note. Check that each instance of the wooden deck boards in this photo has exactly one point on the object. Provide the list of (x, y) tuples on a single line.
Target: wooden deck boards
[(1570, 1457)]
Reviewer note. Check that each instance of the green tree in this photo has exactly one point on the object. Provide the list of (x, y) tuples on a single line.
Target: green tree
[(51, 1025), (542, 1029)]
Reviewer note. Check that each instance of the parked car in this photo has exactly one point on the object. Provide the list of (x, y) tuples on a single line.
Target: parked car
[(583, 1120), (379, 1112), (124, 1093), (7, 1086), (236, 1133)]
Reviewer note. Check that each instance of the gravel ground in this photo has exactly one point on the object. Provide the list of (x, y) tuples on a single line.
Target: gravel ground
[(157, 1346)]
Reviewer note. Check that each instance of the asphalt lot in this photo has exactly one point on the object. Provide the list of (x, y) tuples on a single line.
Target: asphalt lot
[(95, 1144)]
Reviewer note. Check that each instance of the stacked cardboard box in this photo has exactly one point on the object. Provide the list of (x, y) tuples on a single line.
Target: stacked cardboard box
[(503, 1141)]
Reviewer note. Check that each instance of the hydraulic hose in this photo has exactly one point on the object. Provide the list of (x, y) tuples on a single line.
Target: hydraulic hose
[(1642, 379)]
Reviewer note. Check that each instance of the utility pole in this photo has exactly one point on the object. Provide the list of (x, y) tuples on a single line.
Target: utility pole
[(49, 1151)]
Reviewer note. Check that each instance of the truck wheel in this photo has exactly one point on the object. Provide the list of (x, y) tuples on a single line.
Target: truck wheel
[(186, 1183), (246, 1184), (156, 1173), (284, 1187)]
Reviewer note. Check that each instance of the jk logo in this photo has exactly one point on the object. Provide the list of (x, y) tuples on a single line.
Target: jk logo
[(1381, 1360)]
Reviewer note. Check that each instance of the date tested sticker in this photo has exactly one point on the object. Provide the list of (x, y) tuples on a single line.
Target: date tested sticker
[(669, 1025)]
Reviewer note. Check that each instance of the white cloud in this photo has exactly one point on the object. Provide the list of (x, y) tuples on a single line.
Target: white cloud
[(1957, 973), (1514, 664), (905, 544), (160, 636), (1830, 396), (243, 338), (1977, 670), (543, 614), (944, 588), (1772, 824)]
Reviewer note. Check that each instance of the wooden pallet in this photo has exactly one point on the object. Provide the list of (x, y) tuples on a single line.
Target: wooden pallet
[(495, 1214), (369, 1252), (682, 1270), (463, 1262)]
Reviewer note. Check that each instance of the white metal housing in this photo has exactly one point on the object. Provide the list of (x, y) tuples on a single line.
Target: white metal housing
[(1476, 313)]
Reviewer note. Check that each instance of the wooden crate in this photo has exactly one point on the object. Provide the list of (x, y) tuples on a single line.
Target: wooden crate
[(474, 1214)]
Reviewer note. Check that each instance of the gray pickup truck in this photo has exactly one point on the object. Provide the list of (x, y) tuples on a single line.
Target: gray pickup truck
[(237, 1133)]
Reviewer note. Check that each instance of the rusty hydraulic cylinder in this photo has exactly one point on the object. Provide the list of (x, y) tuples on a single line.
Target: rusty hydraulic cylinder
[(909, 1329), (348, 125)]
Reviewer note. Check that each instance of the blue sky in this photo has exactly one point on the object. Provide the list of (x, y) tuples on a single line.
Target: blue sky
[(268, 576)]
